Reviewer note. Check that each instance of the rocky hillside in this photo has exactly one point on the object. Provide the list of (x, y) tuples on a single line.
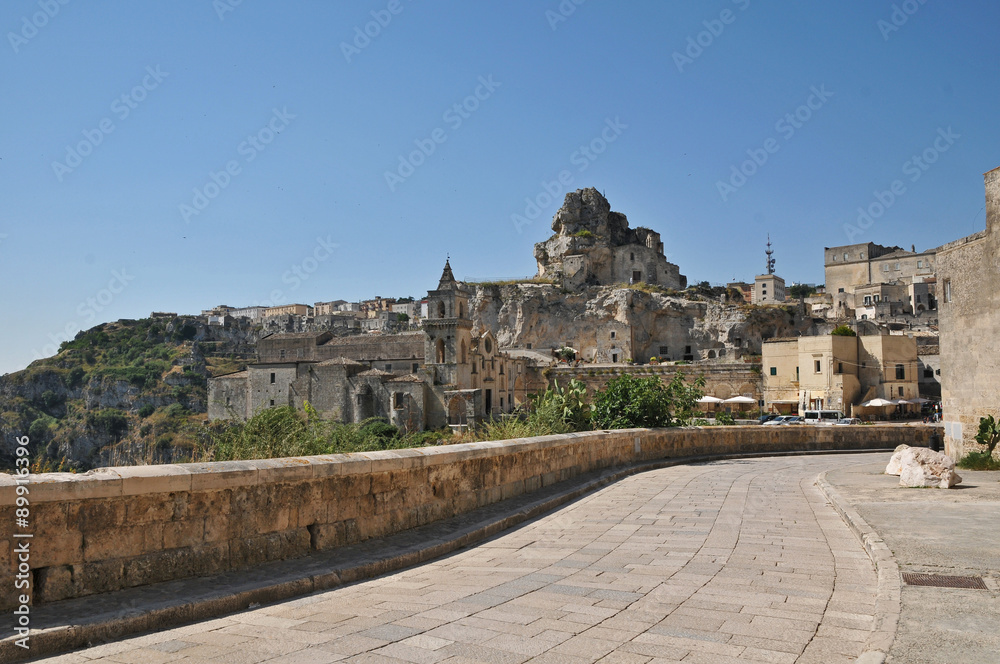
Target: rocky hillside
[(127, 392), (712, 323)]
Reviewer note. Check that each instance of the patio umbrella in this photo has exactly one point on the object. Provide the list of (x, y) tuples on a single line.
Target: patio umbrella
[(877, 403), (709, 399), (740, 399), (919, 400)]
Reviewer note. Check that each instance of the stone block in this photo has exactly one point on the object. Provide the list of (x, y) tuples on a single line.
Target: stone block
[(146, 480), (221, 475), (185, 533), (57, 487), (277, 471)]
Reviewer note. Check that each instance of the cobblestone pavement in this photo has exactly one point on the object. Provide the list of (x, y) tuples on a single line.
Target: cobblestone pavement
[(727, 561)]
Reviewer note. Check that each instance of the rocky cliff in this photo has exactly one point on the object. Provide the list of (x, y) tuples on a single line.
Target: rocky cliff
[(123, 392)]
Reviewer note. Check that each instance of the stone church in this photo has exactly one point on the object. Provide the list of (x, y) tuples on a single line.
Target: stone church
[(442, 375)]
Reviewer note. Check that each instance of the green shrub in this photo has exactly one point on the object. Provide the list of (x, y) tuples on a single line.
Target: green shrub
[(979, 461), (843, 331), (989, 434), (146, 410), (629, 401), (725, 419)]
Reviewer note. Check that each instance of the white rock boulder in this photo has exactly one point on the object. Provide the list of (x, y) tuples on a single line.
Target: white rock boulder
[(923, 467), (895, 466)]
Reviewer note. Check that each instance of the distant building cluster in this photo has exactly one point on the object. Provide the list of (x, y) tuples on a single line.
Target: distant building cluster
[(375, 315)]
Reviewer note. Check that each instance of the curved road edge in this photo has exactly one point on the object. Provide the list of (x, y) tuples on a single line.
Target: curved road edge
[(889, 591)]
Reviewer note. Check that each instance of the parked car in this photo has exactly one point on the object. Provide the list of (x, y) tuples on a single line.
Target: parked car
[(766, 418), (794, 419), (844, 421), (777, 420)]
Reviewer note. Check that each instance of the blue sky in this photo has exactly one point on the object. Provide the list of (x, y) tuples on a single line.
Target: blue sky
[(118, 115)]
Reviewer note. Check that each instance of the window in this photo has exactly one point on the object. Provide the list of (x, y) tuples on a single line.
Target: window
[(272, 403), (613, 334), (885, 267), (614, 357), (415, 367), (947, 290), (774, 371), (868, 300), (845, 256), (920, 263), (281, 354), (664, 350), (895, 266), (687, 350), (900, 391), (861, 255), (636, 276), (835, 258), (900, 372), (631, 256), (397, 400), (818, 366), (796, 374), (928, 372), (840, 367), (272, 378), (388, 367), (840, 290)]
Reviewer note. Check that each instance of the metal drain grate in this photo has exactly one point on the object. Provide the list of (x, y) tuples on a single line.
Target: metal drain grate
[(941, 581)]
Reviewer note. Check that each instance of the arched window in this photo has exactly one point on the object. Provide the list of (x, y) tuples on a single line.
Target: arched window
[(439, 351), (440, 309), (464, 354)]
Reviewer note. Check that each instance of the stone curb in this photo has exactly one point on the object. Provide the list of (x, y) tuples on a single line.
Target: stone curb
[(889, 591), (128, 622)]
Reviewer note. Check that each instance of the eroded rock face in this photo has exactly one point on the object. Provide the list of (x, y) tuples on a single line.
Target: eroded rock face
[(923, 467), (594, 246), (895, 466)]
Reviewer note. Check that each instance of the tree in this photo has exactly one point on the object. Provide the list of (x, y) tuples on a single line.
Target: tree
[(989, 434), (630, 401), (843, 331), (801, 291)]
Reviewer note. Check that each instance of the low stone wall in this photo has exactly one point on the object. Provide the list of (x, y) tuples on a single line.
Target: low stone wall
[(121, 527)]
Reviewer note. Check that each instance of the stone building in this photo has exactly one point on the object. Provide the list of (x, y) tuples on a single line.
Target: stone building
[(768, 289), (857, 271), (594, 246), (288, 310), (441, 375), (837, 372), (969, 314)]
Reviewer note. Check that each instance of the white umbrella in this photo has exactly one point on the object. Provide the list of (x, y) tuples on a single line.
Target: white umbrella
[(709, 399), (877, 403), (740, 399), (919, 400)]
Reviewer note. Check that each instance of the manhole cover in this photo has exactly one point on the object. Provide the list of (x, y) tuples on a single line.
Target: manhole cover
[(941, 581)]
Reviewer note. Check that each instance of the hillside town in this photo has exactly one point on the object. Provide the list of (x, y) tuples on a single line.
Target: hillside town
[(605, 301)]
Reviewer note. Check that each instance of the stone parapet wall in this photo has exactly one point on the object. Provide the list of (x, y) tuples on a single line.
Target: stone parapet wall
[(115, 528)]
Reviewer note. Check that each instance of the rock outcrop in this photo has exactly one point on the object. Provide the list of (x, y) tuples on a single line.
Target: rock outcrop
[(895, 466), (594, 246), (923, 467)]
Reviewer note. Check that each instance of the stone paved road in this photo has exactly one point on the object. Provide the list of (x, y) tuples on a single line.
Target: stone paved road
[(727, 561)]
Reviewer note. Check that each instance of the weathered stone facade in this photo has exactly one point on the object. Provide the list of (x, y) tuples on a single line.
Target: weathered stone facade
[(442, 375), (969, 310), (594, 246)]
